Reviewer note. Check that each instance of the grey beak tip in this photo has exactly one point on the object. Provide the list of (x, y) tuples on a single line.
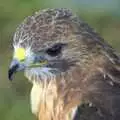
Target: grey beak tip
[(10, 75), (11, 71)]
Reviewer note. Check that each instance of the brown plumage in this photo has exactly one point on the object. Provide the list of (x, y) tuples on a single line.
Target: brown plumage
[(84, 68)]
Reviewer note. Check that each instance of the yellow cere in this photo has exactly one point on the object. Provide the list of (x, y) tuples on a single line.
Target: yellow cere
[(19, 54)]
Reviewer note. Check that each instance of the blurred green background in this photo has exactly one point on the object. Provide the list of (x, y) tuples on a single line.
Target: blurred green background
[(103, 15)]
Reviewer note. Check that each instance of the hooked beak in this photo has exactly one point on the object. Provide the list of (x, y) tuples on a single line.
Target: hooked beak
[(14, 67)]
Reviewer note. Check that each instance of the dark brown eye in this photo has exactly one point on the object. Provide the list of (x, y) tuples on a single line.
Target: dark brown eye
[(55, 49)]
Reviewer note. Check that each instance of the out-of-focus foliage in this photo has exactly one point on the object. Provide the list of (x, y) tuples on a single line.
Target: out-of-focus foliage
[(14, 96)]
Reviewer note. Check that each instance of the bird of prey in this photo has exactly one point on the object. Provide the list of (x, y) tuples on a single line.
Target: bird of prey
[(74, 72)]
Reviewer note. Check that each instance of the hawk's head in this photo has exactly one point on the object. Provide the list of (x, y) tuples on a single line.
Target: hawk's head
[(49, 43)]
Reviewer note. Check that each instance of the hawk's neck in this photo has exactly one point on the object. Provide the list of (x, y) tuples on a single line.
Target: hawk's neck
[(47, 104)]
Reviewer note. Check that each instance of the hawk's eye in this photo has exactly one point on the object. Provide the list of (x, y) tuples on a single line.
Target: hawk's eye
[(55, 49)]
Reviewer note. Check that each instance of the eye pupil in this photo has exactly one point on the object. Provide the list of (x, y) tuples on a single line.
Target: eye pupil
[(55, 50)]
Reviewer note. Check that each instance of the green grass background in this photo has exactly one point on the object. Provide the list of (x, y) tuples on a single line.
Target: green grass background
[(14, 96)]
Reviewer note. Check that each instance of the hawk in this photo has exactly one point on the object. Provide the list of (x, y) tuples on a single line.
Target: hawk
[(70, 66)]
